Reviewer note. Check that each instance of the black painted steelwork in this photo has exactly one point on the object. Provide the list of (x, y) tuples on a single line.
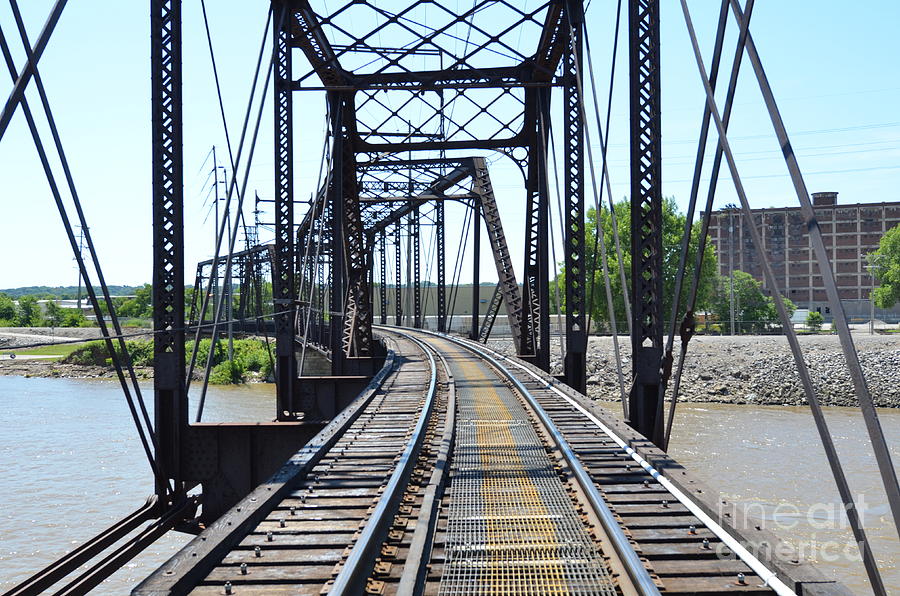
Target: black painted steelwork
[(490, 95), (171, 407), (441, 268), (415, 264), (573, 248), (644, 404), (283, 282), (382, 266), (398, 275)]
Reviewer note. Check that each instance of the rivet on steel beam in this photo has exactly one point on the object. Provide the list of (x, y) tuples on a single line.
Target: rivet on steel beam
[(706, 543), (665, 504), (257, 551), (281, 522), (692, 530), (293, 511), (228, 587), (741, 579), (646, 483), (270, 536), (243, 569)]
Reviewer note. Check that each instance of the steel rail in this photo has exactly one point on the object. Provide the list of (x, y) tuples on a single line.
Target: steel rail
[(193, 562), (768, 576), (67, 564), (632, 563), (414, 572), (358, 567)]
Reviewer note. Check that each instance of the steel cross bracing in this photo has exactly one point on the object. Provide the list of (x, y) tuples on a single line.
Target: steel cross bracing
[(509, 289), (485, 93)]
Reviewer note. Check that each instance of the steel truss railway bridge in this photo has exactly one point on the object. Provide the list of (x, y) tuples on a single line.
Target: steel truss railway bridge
[(414, 461)]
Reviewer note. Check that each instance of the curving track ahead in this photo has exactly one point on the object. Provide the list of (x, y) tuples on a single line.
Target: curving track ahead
[(460, 471)]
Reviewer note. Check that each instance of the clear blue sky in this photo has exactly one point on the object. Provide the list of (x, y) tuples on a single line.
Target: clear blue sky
[(832, 65)]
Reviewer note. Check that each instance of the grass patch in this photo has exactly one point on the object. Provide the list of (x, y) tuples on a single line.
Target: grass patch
[(62, 350), (251, 357)]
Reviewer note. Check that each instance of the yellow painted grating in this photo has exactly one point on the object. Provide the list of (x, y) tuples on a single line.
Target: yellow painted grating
[(512, 529)]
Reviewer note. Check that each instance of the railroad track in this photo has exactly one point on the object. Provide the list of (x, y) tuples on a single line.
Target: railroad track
[(459, 471)]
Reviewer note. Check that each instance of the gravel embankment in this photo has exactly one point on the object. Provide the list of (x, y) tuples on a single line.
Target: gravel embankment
[(755, 369)]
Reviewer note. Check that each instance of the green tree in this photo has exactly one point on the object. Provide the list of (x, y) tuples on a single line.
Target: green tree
[(54, 315), (73, 317), (138, 307), (814, 320), (753, 310), (885, 263), (28, 313), (7, 308), (673, 232)]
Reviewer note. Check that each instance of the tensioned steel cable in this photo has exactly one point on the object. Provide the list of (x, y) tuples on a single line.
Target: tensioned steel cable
[(221, 231), (457, 267), (547, 131), (233, 238), (33, 56), (873, 425), (76, 200), (687, 325), (601, 237), (319, 220), (562, 227), (844, 489), (212, 57), (142, 432), (604, 146)]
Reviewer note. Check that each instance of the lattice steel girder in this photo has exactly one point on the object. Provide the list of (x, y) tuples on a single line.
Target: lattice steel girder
[(535, 325), (382, 294), (171, 407), (415, 249), (441, 269), (509, 288), (573, 159), (646, 217), (283, 281), (426, 85), (434, 192), (398, 275)]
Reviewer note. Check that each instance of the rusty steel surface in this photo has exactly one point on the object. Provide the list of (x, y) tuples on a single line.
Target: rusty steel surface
[(468, 519)]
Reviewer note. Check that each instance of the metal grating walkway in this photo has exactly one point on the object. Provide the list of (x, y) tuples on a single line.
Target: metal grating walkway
[(512, 528)]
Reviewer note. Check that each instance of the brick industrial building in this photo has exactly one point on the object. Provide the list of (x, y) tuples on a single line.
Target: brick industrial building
[(849, 231)]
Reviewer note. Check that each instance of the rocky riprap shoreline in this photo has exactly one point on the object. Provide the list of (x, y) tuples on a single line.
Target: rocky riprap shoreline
[(754, 369)]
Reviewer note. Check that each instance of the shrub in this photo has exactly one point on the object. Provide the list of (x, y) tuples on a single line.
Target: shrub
[(814, 320), (227, 373)]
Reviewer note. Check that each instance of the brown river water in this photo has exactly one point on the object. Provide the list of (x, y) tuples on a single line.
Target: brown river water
[(71, 465)]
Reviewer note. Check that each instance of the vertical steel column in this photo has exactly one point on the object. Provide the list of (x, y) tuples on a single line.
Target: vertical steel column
[(338, 270), (283, 274), (476, 266), (414, 230), (646, 218), (441, 269), (398, 275), (170, 397), (535, 322), (382, 294), (576, 305)]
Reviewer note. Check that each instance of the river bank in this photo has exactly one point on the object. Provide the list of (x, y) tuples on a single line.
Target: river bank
[(753, 369), (719, 369)]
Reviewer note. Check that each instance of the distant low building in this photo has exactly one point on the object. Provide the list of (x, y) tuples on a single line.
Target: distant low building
[(849, 232)]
